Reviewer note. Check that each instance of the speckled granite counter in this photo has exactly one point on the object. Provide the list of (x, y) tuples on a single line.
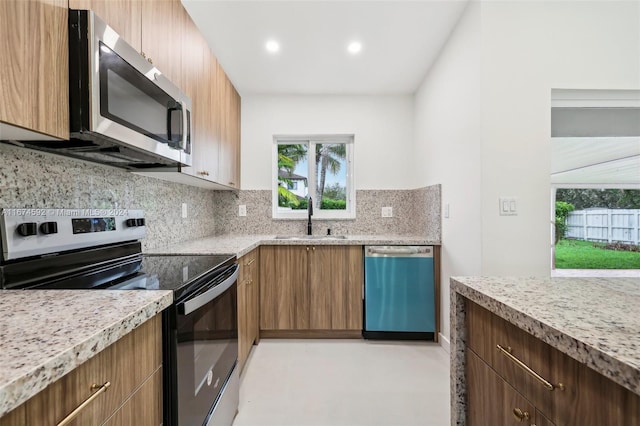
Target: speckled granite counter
[(44, 334), (242, 244), (593, 320)]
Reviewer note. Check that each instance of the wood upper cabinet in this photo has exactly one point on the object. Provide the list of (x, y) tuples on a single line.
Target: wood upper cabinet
[(311, 288), (200, 73), (124, 16), (132, 366), (248, 287), (34, 71), (164, 23), (228, 112), (580, 395)]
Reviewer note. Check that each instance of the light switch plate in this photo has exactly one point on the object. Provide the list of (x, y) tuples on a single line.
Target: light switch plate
[(508, 206), (387, 212), (242, 210), (446, 211), (184, 210)]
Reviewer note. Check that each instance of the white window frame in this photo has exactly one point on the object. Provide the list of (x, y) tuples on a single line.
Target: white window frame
[(312, 140)]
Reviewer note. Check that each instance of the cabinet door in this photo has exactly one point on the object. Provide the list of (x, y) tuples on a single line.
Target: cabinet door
[(200, 67), (34, 71), (491, 401), (335, 286), (229, 114), (243, 329), (253, 299), (284, 293), (163, 26), (15, 417), (124, 16), (126, 364), (144, 408)]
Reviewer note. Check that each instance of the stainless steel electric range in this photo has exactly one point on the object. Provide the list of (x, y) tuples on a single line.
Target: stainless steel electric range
[(100, 249)]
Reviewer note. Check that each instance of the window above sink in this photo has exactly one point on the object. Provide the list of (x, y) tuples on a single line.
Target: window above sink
[(316, 166)]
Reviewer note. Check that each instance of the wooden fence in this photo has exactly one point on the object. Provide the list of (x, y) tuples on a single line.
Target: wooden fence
[(607, 225)]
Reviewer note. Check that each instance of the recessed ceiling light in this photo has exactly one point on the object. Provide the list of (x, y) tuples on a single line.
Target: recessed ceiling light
[(354, 47), (272, 46)]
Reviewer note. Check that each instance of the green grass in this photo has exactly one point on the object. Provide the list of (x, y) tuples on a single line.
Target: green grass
[(574, 254)]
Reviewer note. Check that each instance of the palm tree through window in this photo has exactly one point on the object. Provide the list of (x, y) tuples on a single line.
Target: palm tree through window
[(317, 168)]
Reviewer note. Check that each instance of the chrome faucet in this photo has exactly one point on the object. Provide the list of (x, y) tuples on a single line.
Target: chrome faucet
[(310, 212)]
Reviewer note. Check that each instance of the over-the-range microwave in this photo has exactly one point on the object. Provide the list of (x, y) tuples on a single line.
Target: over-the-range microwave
[(123, 110)]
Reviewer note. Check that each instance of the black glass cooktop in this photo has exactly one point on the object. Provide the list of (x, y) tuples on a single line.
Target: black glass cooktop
[(175, 271)]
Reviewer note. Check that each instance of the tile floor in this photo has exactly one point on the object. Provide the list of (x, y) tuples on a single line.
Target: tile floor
[(344, 382)]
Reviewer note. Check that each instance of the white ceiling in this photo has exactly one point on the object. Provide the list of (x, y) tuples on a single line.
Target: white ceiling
[(401, 39)]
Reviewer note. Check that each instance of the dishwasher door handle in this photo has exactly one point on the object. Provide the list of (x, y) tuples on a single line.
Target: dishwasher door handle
[(399, 251)]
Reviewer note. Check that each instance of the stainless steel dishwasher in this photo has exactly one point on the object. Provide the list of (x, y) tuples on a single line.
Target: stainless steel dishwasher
[(399, 293)]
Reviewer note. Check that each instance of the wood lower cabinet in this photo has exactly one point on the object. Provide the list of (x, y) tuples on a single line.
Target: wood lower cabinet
[(34, 71), (580, 395), (311, 289), (132, 366), (248, 288)]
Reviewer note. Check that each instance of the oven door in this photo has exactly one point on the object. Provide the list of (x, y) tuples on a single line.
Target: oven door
[(205, 348)]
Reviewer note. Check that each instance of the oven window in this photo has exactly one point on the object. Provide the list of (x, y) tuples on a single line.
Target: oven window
[(207, 350)]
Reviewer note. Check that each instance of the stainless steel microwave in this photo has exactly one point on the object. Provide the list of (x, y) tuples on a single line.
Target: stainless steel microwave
[(123, 110)]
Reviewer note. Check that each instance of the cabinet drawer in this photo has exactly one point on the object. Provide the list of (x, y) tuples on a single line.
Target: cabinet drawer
[(126, 364), (492, 401), (580, 395), (144, 408)]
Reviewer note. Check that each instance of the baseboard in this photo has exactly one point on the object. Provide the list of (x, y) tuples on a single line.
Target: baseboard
[(311, 334), (444, 342)]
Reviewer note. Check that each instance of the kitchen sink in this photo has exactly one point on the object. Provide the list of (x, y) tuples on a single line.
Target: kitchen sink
[(311, 237)]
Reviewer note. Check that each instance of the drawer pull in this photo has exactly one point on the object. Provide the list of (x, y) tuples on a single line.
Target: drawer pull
[(99, 389), (520, 415), (525, 367), (250, 262)]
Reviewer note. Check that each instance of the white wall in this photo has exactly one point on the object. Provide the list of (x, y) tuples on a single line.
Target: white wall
[(382, 126), (482, 121), (528, 48), (447, 136)]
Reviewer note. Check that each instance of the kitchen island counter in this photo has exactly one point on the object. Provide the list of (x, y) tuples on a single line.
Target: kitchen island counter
[(592, 320), (45, 334)]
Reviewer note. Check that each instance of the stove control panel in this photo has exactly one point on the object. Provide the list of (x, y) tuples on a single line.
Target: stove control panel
[(33, 232)]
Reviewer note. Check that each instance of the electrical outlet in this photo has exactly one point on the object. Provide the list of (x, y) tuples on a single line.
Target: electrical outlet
[(387, 212), (242, 210), (184, 210)]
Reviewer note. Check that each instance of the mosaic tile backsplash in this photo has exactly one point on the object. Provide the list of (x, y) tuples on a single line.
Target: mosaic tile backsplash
[(34, 179), (415, 212), (40, 180)]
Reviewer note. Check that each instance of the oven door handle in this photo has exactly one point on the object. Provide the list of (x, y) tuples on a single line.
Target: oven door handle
[(188, 306)]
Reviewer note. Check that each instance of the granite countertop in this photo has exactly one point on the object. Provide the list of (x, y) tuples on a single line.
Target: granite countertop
[(593, 320), (243, 244), (44, 334)]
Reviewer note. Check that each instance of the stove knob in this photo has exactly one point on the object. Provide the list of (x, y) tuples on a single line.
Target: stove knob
[(28, 228), (131, 223), (140, 222), (49, 228)]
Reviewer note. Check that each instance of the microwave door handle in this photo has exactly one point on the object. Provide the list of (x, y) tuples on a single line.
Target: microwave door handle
[(189, 306), (170, 111), (185, 124)]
